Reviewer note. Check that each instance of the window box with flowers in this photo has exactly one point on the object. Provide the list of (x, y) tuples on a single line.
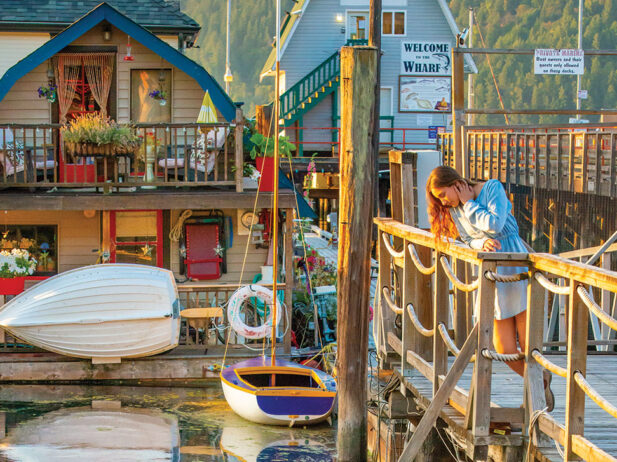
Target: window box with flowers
[(15, 265)]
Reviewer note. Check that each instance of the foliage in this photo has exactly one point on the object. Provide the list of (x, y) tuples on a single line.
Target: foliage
[(98, 130), (252, 30), (17, 262), (264, 146), (530, 24), (49, 92), (158, 95)]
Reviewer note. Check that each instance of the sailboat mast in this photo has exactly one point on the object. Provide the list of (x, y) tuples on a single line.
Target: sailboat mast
[(276, 183)]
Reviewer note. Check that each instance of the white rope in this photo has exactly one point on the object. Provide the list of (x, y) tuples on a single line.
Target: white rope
[(504, 357), (416, 261), (456, 282), (416, 322), (548, 365), (596, 309), (443, 330), (550, 286), (505, 278), (594, 395), (389, 302), (394, 253)]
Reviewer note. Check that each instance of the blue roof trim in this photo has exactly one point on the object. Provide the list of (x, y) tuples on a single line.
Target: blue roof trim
[(105, 12)]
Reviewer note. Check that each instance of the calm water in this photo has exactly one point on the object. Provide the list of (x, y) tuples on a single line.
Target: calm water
[(102, 423)]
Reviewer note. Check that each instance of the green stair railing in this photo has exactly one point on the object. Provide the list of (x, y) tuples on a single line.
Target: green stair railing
[(310, 87)]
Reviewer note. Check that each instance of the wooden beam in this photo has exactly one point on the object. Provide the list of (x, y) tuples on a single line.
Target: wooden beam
[(239, 150), (441, 398), (160, 199), (358, 75), (458, 110)]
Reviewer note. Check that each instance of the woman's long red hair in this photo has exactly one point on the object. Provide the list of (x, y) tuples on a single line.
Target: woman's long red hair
[(442, 225)]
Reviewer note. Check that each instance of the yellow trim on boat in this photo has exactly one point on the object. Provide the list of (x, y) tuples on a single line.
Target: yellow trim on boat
[(299, 391)]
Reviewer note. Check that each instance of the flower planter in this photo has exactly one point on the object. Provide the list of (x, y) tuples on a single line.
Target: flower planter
[(12, 286), (265, 166)]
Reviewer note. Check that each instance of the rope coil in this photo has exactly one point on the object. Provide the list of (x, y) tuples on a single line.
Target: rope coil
[(427, 270), (389, 302), (504, 357), (417, 324), (390, 249), (508, 278), (596, 309), (456, 282), (452, 348), (594, 395), (550, 286), (548, 365)]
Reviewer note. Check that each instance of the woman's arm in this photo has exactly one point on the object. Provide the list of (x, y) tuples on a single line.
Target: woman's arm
[(491, 218)]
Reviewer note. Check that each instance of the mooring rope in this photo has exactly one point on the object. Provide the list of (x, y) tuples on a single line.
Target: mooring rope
[(551, 286), (596, 309), (416, 261), (548, 365), (594, 395), (394, 253), (417, 324), (504, 357), (456, 282), (496, 277), (389, 302), (443, 331)]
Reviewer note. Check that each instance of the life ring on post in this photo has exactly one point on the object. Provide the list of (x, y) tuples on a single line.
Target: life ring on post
[(234, 308)]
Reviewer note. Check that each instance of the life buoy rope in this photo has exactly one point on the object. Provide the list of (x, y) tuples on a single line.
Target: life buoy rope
[(234, 308)]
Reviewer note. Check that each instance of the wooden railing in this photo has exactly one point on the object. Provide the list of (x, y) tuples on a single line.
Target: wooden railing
[(170, 155), (575, 161), (418, 282)]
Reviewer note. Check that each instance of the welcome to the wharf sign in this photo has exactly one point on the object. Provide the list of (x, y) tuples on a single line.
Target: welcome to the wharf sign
[(425, 58), (565, 61)]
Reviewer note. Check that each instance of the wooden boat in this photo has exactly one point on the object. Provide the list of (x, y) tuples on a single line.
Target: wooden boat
[(79, 434), (104, 312), (285, 393)]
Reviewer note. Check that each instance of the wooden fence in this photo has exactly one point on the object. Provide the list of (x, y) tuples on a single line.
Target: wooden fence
[(576, 161), (427, 286)]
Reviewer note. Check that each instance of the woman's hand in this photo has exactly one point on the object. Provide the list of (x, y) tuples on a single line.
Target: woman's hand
[(464, 191), (491, 245)]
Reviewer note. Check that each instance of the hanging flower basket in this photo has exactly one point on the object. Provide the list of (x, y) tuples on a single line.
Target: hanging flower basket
[(50, 92), (159, 95)]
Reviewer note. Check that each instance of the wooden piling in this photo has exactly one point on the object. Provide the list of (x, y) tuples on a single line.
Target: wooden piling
[(458, 111), (358, 74)]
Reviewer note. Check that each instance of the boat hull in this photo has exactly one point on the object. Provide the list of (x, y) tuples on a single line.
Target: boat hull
[(278, 405), (99, 312)]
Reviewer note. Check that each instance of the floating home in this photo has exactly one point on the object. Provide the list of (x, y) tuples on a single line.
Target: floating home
[(180, 206), (417, 38)]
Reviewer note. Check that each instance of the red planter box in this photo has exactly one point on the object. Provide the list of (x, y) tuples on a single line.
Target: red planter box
[(12, 286), (265, 166)]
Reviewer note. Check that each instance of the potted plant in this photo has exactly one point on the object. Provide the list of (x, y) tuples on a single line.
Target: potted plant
[(159, 95), (250, 176), (15, 265), (49, 92), (263, 154)]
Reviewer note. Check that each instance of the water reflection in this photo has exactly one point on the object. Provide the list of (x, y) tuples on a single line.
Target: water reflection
[(71, 423)]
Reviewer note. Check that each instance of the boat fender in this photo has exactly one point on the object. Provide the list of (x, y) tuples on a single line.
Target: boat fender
[(234, 308)]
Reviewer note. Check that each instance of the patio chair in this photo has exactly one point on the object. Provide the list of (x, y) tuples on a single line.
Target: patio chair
[(202, 155), (12, 161)]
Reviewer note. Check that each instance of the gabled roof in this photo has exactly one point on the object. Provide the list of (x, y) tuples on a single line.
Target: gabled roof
[(55, 15), (104, 12), (291, 23)]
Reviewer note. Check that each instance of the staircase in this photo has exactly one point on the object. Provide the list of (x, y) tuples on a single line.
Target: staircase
[(310, 90)]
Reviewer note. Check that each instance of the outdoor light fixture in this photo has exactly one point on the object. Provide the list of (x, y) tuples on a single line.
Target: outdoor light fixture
[(339, 17), (107, 34)]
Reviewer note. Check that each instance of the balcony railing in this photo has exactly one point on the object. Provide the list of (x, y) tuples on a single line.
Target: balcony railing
[(170, 155)]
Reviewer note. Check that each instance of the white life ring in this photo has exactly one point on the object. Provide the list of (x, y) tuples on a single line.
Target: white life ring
[(234, 307)]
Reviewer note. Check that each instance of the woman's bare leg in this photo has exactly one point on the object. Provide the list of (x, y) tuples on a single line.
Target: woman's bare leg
[(504, 339)]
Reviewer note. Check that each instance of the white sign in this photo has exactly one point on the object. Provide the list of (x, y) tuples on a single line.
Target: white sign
[(424, 94), (582, 94), (566, 61), (425, 58), (574, 120)]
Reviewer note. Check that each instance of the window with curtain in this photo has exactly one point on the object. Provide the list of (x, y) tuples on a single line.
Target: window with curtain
[(143, 107)]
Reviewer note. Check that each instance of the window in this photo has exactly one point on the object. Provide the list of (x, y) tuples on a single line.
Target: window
[(357, 25), (393, 23), (137, 237), (40, 240), (143, 107), (385, 101)]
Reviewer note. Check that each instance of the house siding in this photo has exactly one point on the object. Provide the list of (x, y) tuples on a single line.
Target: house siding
[(318, 35), (16, 45)]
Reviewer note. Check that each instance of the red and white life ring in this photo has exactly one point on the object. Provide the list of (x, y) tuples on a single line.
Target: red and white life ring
[(234, 308)]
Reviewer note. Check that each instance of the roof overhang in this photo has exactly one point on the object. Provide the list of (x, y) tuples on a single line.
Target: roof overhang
[(105, 12)]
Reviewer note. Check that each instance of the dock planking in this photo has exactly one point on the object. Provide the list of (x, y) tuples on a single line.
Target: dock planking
[(507, 392)]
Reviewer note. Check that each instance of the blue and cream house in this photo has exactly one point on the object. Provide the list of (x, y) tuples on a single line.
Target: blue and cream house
[(417, 37)]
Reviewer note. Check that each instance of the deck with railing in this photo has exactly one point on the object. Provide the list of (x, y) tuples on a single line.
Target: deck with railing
[(170, 155)]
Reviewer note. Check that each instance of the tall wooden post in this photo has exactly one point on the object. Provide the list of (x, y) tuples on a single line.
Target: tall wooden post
[(358, 74), (374, 40), (239, 154), (264, 122), (106, 238), (458, 110)]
